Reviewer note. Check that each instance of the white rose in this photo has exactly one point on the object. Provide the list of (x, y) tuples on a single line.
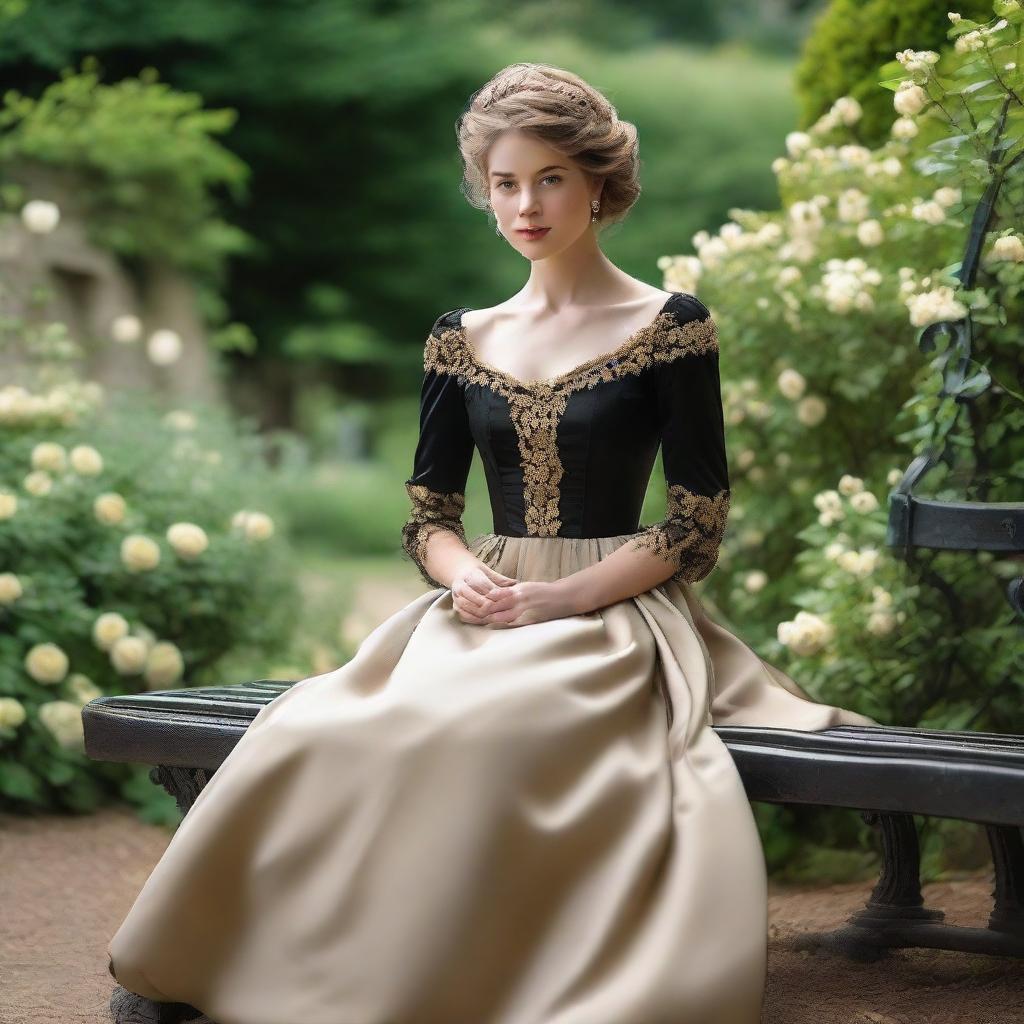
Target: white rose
[(109, 508), (40, 216), (847, 109), (881, 623), (909, 99), (86, 461), (929, 212), (140, 553), (864, 502), (791, 383), (50, 456), (869, 232), (187, 539), (904, 128), (849, 561), (853, 205), (82, 689), (755, 580), (828, 501), (834, 550), (947, 196), (850, 484), (46, 663), (868, 561), (12, 713), (8, 504), (797, 143), (934, 306), (1009, 247), (805, 635), (811, 410), (258, 526), (881, 597), (108, 629), (164, 665), (164, 347), (10, 588), (128, 655), (38, 482), (126, 329), (63, 720)]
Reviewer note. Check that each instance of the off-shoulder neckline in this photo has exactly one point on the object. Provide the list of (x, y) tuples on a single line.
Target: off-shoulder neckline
[(573, 372)]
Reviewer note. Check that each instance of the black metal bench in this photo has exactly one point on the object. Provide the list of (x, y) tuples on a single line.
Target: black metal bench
[(887, 773)]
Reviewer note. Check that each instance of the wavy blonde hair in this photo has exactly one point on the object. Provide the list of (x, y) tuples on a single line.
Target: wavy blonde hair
[(564, 111)]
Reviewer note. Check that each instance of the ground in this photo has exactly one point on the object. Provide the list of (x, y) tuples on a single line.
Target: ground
[(67, 882)]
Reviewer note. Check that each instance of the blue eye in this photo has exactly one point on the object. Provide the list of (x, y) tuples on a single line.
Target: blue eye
[(550, 177)]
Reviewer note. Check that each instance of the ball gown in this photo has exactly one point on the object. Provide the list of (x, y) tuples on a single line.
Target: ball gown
[(528, 825)]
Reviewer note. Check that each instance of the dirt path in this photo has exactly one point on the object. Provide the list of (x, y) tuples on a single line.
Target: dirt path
[(66, 884)]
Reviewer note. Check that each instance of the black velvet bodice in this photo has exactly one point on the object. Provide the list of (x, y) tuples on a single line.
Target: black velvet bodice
[(572, 456)]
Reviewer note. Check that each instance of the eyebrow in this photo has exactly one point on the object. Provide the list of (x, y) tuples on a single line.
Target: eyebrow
[(509, 174)]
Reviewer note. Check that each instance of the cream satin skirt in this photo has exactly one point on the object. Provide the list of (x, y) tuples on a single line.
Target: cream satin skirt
[(474, 825)]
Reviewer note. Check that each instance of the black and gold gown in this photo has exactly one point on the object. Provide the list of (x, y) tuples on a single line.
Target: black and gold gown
[(526, 825)]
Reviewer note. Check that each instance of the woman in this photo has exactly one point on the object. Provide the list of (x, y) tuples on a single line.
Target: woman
[(509, 807)]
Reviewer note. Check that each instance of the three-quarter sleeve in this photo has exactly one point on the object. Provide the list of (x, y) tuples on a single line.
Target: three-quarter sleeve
[(692, 424), (444, 453)]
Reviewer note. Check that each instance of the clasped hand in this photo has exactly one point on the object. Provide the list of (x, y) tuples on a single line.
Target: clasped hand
[(483, 596)]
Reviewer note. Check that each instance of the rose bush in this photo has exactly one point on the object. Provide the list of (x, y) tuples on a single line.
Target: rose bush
[(827, 397)]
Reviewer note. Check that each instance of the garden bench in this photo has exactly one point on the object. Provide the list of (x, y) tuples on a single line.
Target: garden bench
[(887, 773)]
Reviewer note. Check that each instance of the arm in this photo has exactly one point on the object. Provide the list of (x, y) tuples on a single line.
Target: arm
[(684, 545), (433, 537)]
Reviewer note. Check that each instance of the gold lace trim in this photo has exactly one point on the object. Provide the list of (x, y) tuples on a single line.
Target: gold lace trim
[(431, 511), (691, 533), (537, 406)]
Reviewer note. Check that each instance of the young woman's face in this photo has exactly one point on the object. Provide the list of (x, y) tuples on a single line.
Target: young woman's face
[(533, 185)]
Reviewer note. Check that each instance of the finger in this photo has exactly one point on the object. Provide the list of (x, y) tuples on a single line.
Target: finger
[(497, 577), (470, 600), (467, 615)]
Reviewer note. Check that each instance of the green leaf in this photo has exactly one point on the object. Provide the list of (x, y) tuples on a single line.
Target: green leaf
[(18, 782)]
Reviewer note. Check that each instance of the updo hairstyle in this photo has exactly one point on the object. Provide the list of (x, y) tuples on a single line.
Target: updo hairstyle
[(558, 108)]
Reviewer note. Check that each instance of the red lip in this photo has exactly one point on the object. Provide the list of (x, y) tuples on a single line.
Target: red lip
[(533, 232)]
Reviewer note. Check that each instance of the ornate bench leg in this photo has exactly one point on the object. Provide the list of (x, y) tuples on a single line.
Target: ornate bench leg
[(895, 917), (895, 907), (897, 894), (1007, 848)]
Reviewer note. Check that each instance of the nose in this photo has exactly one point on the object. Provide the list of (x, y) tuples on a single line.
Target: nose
[(527, 202)]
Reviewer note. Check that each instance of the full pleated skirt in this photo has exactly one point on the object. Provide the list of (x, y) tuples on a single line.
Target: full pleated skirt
[(475, 825)]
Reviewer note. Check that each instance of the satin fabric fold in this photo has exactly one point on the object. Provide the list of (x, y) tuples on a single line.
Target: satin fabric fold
[(475, 825)]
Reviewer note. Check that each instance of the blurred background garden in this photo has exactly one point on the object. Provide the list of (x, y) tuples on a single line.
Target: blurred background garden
[(226, 230)]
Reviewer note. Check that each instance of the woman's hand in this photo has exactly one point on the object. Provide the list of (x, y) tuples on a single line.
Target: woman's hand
[(529, 601), (485, 597), (478, 591)]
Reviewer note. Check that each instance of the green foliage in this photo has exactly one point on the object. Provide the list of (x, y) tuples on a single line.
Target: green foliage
[(138, 552), (851, 39), (143, 158), (820, 357)]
